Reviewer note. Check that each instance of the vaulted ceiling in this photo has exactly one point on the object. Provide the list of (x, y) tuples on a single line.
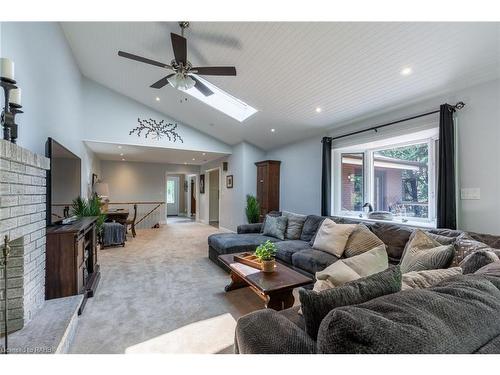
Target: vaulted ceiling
[(286, 69)]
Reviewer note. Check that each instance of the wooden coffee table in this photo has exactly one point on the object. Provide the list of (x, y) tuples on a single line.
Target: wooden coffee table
[(274, 288)]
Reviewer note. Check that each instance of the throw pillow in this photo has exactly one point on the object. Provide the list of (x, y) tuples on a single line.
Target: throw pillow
[(361, 240), (295, 224), (349, 269), (311, 225), (477, 260), (466, 245), (425, 279), (424, 253), (275, 226), (271, 213), (332, 237), (492, 269), (315, 306)]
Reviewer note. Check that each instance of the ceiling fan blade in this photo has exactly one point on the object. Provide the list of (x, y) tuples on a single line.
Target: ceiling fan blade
[(179, 45), (215, 70), (143, 59), (201, 87), (161, 83)]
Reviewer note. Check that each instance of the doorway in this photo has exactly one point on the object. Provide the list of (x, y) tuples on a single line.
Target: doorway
[(172, 198), (193, 197), (214, 196)]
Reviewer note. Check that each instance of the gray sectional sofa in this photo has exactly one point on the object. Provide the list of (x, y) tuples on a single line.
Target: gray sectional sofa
[(299, 254), (457, 315)]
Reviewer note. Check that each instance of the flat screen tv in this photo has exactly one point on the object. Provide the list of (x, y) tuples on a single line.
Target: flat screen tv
[(63, 181)]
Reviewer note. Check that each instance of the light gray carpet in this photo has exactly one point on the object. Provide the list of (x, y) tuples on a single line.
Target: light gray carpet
[(161, 293)]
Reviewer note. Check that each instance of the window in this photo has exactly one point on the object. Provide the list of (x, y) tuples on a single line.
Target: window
[(395, 175), (170, 191), (352, 182)]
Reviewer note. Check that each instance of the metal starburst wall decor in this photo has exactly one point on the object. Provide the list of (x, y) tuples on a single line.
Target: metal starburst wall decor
[(157, 130)]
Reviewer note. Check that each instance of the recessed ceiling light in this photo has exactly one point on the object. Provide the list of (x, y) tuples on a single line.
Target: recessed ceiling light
[(119, 146), (185, 162), (194, 159), (204, 153), (121, 154), (157, 98), (273, 130), (318, 109), (406, 71), (123, 159)]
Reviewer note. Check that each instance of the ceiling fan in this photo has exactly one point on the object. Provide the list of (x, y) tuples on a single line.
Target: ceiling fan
[(182, 78)]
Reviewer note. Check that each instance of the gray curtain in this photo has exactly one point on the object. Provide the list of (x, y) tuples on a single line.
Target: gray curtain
[(326, 177), (446, 197)]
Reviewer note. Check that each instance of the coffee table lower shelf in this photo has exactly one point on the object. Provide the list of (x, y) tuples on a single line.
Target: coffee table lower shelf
[(275, 289)]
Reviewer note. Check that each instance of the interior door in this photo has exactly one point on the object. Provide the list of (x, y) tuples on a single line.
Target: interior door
[(193, 197), (172, 196)]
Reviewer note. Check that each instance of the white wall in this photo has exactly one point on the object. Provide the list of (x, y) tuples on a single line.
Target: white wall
[(141, 182), (232, 201), (51, 89), (109, 117), (479, 159)]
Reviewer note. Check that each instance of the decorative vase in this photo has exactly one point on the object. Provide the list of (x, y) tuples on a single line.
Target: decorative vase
[(268, 265)]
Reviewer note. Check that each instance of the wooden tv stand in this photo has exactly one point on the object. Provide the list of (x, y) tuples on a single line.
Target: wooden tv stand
[(71, 260)]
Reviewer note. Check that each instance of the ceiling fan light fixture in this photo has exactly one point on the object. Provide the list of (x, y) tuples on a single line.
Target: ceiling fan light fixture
[(182, 82)]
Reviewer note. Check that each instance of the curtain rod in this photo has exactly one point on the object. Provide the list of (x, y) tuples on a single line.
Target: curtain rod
[(455, 107)]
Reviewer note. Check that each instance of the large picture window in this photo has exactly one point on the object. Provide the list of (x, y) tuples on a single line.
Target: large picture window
[(396, 175)]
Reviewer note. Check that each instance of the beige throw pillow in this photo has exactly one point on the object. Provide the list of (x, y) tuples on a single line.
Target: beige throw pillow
[(425, 279), (424, 253), (361, 240), (349, 269), (332, 237)]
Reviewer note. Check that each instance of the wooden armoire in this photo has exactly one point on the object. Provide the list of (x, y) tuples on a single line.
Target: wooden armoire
[(268, 186)]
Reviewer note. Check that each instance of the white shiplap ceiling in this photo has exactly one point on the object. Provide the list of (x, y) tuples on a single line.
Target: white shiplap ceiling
[(287, 69)]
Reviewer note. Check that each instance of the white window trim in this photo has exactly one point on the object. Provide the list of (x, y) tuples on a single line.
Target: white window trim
[(428, 136)]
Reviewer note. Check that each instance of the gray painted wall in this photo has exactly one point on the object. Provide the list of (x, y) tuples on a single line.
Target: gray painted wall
[(241, 166), (479, 160), (51, 89), (141, 182)]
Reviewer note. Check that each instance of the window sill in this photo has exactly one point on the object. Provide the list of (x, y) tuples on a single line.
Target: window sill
[(397, 220)]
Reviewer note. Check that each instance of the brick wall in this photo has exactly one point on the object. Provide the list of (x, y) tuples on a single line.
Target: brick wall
[(22, 219)]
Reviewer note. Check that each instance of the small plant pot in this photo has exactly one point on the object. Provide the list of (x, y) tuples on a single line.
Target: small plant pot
[(268, 265)]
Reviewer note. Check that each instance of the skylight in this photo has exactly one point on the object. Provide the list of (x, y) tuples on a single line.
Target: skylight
[(223, 101)]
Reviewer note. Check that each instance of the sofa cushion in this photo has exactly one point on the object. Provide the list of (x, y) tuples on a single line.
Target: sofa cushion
[(361, 239), (478, 259), (311, 225), (332, 237), (394, 236), (427, 278), (285, 249), (424, 253), (458, 315), (312, 260), (228, 243), (349, 269), (492, 269), (294, 225), (315, 306)]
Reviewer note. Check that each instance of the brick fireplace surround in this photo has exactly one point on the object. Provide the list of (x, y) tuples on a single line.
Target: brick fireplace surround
[(22, 219)]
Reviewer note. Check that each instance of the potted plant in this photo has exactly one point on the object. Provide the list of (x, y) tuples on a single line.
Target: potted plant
[(252, 209), (266, 253), (90, 207)]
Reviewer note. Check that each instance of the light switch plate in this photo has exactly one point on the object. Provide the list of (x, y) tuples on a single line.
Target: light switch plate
[(470, 193)]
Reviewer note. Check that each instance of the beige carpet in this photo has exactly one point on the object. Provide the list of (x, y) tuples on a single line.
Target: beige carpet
[(161, 294)]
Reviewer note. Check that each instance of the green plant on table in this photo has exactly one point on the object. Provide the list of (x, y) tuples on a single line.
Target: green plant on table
[(89, 207), (252, 209), (266, 251)]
